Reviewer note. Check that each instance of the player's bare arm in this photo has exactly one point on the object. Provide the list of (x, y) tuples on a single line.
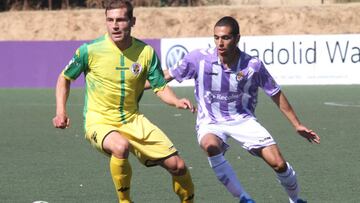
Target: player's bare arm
[(282, 102), (167, 75), (61, 119), (168, 96)]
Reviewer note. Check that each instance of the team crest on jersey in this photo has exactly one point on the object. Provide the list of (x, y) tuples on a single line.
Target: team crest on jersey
[(136, 68), (239, 75)]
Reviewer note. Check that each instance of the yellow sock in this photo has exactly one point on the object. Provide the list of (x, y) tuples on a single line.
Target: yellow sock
[(121, 174), (184, 187)]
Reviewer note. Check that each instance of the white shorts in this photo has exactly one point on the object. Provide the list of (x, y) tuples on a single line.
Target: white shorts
[(248, 133)]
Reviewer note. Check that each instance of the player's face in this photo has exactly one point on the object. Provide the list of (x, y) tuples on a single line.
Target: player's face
[(118, 24), (225, 41)]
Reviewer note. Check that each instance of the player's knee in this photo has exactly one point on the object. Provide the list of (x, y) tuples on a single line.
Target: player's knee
[(211, 149), (120, 149), (176, 166), (116, 145), (211, 145), (180, 169), (279, 166)]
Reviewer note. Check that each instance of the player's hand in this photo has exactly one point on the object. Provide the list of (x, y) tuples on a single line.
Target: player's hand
[(61, 121), (185, 104), (310, 135)]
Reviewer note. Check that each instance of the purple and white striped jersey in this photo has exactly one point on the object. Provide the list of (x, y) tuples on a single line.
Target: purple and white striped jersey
[(224, 95)]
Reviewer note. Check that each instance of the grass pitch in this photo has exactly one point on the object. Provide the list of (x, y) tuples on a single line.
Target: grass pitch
[(39, 162)]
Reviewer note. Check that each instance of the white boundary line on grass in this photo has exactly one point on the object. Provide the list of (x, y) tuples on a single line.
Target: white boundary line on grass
[(341, 104)]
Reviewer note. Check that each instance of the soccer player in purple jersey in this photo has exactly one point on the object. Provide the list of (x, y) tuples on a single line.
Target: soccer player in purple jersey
[(226, 88)]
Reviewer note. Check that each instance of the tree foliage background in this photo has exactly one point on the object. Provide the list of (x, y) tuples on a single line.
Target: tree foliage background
[(6, 5)]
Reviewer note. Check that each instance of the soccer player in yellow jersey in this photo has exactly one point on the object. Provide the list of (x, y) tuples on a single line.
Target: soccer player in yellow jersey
[(116, 67)]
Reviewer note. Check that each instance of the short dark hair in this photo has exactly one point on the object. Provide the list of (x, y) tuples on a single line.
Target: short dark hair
[(114, 4), (231, 22)]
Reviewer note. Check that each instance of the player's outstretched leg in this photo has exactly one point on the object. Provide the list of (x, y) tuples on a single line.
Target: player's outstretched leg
[(121, 174), (226, 175), (289, 181)]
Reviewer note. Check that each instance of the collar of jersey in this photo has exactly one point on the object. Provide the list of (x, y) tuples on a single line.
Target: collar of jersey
[(216, 59), (113, 45)]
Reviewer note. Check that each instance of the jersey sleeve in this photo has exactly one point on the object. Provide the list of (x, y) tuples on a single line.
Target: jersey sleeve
[(184, 69), (155, 75), (267, 82), (78, 64)]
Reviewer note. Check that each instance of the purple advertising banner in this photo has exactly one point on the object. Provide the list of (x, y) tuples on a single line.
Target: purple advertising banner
[(37, 64)]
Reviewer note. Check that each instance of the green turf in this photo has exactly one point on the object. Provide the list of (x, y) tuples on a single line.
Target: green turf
[(39, 162)]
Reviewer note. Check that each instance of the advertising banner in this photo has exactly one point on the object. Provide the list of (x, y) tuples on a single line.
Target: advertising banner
[(37, 64), (291, 59)]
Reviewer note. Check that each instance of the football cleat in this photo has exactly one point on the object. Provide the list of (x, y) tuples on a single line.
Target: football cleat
[(301, 201), (246, 200)]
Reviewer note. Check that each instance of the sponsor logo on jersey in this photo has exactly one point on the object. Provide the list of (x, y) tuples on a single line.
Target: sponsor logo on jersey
[(93, 136), (218, 96)]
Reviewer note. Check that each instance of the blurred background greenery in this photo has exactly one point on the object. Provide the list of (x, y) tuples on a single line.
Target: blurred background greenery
[(8, 5)]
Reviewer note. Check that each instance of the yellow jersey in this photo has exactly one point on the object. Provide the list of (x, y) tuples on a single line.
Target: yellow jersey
[(114, 79)]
